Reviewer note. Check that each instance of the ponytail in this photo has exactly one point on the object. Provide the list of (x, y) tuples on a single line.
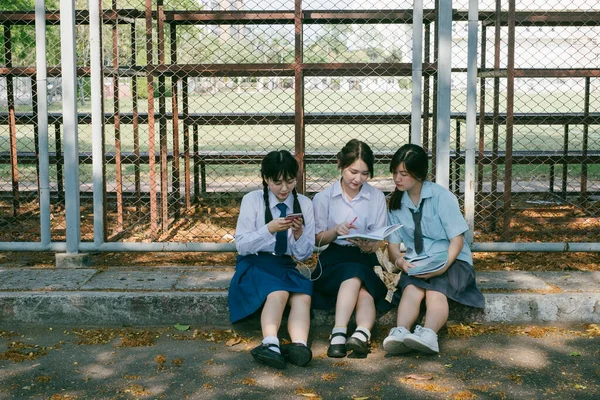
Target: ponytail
[(395, 200)]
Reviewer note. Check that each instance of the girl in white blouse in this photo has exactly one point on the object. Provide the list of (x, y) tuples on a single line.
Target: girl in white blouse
[(346, 279), (266, 276)]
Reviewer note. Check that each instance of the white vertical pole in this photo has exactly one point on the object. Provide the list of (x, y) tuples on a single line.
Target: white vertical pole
[(97, 120), (71, 148), (471, 118), (442, 166), (42, 109), (417, 72)]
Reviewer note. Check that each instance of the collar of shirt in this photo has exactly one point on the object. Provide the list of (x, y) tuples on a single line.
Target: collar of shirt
[(336, 190), (273, 201), (426, 192)]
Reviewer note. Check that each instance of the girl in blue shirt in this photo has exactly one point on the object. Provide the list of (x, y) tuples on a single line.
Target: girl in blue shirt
[(432, 224), (265, 274)]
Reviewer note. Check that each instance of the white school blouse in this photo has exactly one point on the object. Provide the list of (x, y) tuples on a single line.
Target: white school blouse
[(332, 208), (252, 234)]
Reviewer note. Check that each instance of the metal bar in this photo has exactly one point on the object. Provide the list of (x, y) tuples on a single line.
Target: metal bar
[(436, 46), (69, 84), (471, 133), (186, 143), (299, 133), (175, 171), (162, 122), (135, 121), (585, 141), (426, 89), (151, 125), (417, 72), (487, 247), (12, 125), (454, 185), (196, 150), (565, 166), (544, 73), (496, 122), (59, 163), (481, 115), (117, 125), (510, 107), (42, 121), (442, 166), (98, 159)]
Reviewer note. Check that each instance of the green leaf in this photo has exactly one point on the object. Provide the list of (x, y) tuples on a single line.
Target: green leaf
[(180, 327), (575, 354)]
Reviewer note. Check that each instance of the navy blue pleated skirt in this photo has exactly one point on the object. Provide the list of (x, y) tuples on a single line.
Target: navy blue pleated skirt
[(457, 283), (340, 263), (258, 275)]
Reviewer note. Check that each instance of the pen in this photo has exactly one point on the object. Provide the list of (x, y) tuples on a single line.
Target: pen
[(353, 221)]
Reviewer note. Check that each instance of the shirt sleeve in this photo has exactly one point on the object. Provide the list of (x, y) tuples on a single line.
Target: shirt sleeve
[(321, 211), (395, 236), (452, 219), (380, 211), (303, 247), (249, 240)]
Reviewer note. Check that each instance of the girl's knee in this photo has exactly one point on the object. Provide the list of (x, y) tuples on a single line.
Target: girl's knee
[(280, 295), (414, 291), (364, 294), (300, 299)]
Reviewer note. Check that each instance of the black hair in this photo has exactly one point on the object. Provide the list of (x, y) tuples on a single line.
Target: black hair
[(356, 150), (278, 165), (416, 163)]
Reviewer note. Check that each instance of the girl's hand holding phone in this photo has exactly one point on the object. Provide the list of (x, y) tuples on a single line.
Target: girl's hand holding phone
[(279, 225), (297, 227)]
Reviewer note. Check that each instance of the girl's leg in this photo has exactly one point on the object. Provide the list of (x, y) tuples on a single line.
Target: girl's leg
[(365, 310), (410, 304), (270, 318), (299, 318), (437, 310), (346, 301)]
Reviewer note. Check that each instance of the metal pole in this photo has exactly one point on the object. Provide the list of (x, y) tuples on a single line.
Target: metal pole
[(97, 120), (42, 117), (510, 106), (471, 118), (417, 72), (299, 132), (69, 83), (442, 165)]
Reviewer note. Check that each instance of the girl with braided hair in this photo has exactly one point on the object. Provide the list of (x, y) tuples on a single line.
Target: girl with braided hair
[(265, 275)]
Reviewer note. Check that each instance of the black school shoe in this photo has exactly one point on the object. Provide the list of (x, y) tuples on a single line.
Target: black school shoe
[(265, 355), (357, 346), (296, 353), (336, 350)]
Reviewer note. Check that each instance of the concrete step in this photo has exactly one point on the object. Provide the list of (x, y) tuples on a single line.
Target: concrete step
[(198, 296)]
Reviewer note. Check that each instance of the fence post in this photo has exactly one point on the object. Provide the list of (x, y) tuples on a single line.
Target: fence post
[(469, 206), (42, 119), (417, 72), (69, 77), (442, 164)]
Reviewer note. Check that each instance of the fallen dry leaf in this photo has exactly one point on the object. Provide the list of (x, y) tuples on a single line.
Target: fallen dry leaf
[(248, 382), (419, 377), (233, 341)]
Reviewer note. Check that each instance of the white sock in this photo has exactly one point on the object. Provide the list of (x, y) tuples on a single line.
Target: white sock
[(272, 340), (360, 336), (301, 342), (339, 339)]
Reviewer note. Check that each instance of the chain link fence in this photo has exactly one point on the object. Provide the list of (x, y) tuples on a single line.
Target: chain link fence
[(227, 81)]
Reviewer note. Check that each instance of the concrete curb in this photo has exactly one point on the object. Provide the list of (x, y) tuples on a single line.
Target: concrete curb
[(198, 297)]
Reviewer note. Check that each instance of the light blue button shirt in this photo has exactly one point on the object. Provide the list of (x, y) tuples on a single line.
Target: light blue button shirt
[(333, 208), (441, 221), (252, 234)]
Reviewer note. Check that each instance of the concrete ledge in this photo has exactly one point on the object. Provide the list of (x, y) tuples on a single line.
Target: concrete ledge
[(66, 260), (198, 296), (166, 308)]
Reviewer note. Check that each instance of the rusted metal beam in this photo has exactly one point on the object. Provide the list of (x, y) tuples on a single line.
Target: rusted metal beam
[(162, 122), (175, 171), (151, 125), (543, 73), (510, 109), (299, 127), (12, 125)]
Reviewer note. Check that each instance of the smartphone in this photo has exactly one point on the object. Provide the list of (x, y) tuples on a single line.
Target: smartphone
[(294, 216)]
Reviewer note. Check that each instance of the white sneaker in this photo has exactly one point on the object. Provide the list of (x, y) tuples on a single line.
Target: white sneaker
[(394, 343), (424, 340)]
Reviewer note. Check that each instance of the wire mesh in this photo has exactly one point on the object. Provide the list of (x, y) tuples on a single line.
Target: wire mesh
[(195, 93)]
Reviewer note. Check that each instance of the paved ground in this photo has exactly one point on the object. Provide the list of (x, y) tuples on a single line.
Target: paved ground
[(476, 362)]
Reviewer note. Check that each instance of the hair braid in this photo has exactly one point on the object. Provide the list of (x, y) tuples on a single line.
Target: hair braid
[(268, 215)]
